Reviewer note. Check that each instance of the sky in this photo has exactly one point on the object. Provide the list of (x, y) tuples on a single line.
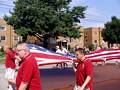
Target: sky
[(98, 12)]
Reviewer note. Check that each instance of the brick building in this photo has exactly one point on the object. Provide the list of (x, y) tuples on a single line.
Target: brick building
[(7, 34), (88, 37), (93, 36)]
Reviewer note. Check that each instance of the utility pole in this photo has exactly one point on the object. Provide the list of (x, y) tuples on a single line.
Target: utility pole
[(10, 37)]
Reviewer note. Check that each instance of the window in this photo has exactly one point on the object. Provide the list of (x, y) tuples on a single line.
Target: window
[(2, 27), (2, 37), (85, 34), (52, 41), (95, 41), (72, 39), (15, 38)]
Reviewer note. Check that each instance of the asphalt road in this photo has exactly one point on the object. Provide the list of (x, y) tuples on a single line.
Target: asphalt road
[(106, 77), (57, 78)]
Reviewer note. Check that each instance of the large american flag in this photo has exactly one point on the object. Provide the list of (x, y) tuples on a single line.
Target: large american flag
[(104, 55), (46, 57)]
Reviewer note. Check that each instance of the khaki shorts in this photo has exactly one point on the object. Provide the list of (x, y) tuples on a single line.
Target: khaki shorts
[(9, 73), (76, 87)]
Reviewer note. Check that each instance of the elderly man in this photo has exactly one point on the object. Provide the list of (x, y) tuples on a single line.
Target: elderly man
[(28, 77)]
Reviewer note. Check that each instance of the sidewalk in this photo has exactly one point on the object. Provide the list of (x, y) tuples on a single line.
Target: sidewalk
[(2, 68), (3, 85)]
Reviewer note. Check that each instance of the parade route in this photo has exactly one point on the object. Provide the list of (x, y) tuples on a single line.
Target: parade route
[(106, 77)]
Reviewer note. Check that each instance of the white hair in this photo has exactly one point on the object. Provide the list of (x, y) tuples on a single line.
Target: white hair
[(23, 46)]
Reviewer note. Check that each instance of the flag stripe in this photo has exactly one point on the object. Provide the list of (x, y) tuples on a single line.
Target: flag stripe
[(46, 57), (104, 54)]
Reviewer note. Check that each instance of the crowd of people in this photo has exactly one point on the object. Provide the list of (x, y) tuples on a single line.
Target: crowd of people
[(28, 75)]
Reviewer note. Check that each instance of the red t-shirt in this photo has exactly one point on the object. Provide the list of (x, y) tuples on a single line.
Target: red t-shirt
[(84, 69), (29, 73), (10, 59)]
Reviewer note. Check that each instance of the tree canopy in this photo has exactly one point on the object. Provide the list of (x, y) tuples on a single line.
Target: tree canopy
[(41, 17), (111, 33)]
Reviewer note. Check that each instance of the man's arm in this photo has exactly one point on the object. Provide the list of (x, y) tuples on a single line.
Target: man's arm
[(74, 66), (18, 58), (11, 81), (23, 86), (87, 80)]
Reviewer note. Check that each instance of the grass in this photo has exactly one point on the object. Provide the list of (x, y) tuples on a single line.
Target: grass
[(2, 57), (2, 60)]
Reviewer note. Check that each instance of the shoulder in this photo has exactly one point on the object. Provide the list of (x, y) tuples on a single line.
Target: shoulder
[(30, 58), (87, 61)]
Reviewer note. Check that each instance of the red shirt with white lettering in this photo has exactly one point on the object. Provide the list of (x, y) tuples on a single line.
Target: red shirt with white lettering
[(84, 69), (10, 59), (28, 73)]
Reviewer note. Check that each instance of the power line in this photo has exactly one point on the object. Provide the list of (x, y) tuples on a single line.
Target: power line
[(101, 17), (93, 20), (97, 18), (6, 4), (6, 7), (100, 20)]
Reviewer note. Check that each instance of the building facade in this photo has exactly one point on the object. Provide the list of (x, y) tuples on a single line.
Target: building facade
[(93, 36), (7, 35), (88, 37), (78, 41)]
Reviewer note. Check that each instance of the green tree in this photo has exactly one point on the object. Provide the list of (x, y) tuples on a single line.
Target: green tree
[(45, 17), (111, 32)]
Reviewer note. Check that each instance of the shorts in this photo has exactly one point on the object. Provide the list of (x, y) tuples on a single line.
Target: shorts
[(10, 73), (76, 87)]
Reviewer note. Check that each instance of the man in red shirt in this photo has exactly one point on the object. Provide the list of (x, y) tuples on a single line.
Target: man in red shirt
[(84, 71), (28, 77), (10, 65)]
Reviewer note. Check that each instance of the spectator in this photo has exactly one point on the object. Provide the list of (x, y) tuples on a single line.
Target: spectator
[(86, 50), (84, 71), (58, 50), (115, 46), (28, 77), (76, 47), (64, 51), (61, 51)]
